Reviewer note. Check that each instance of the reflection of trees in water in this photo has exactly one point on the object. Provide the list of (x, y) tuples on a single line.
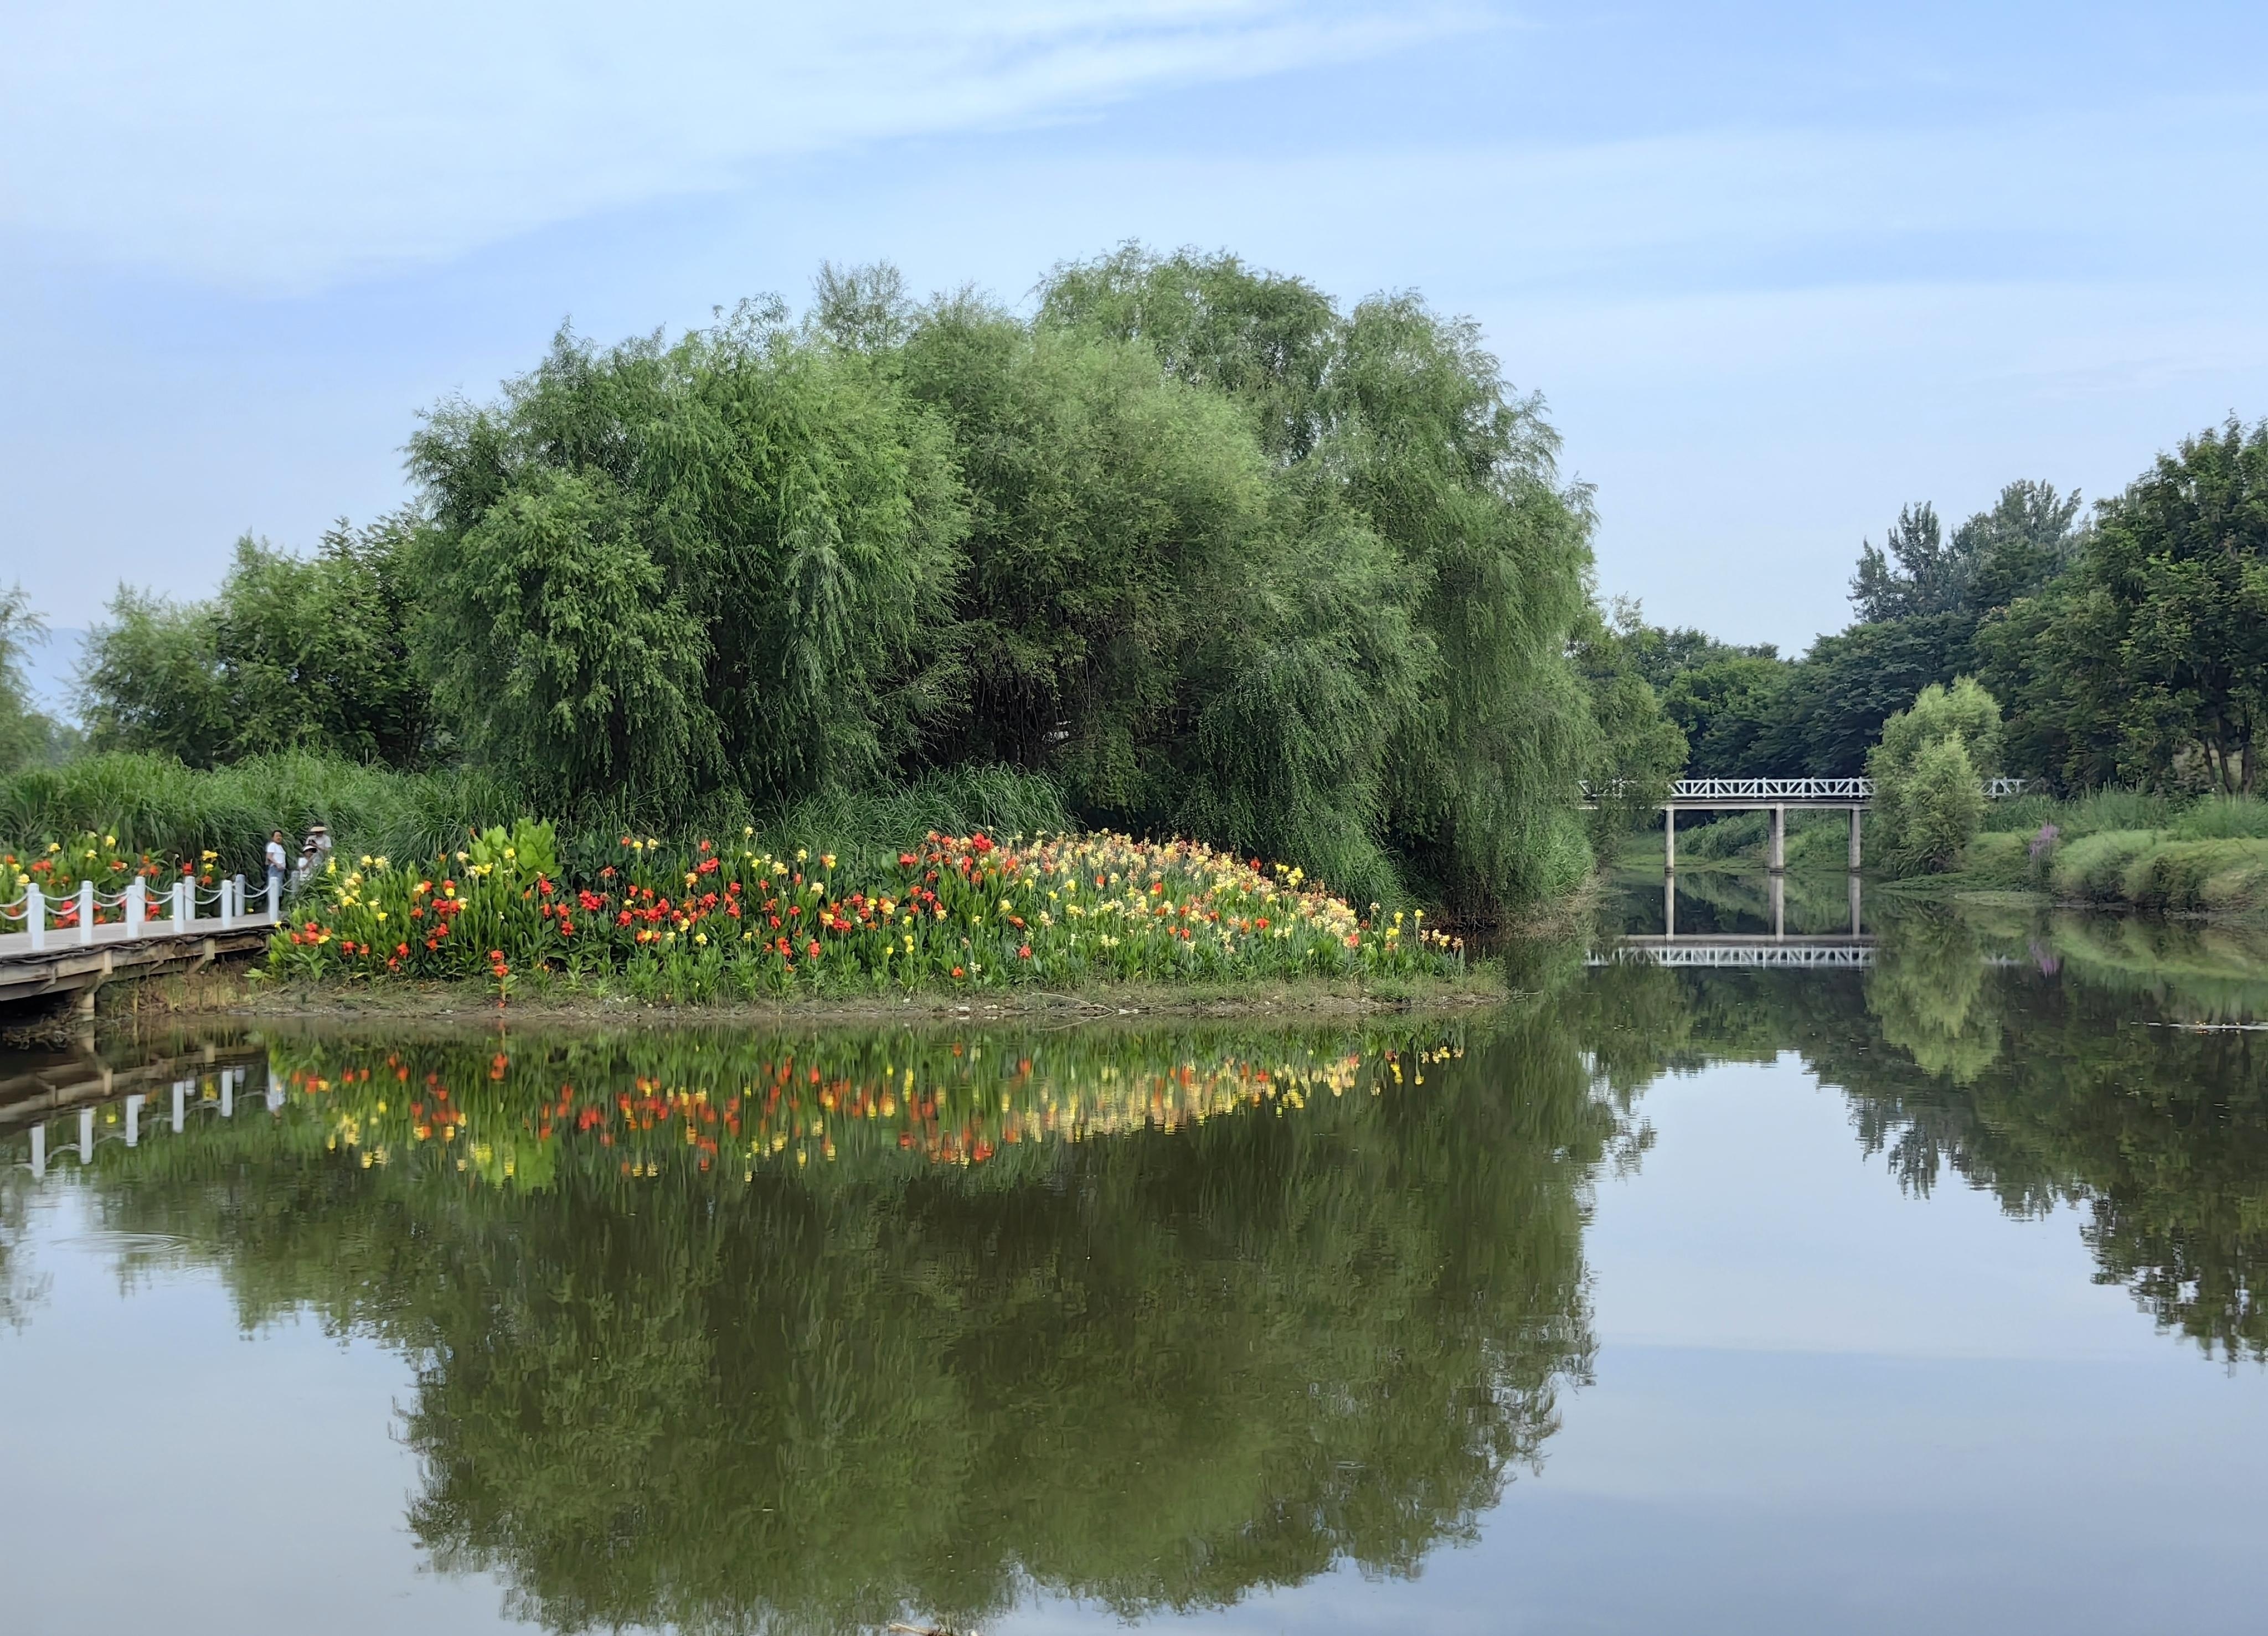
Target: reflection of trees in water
[(2041, 1089), (1929, 990), (1158, 1370), (20, 1288)]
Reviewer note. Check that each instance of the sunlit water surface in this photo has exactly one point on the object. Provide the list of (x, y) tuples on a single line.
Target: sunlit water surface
[(1925, 1294)]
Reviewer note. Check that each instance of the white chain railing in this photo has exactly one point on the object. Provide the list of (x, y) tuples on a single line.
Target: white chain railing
[(74, 917)]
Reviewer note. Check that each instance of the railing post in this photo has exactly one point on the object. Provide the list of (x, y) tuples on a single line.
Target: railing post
[(35, 916), (227, 1094), (39, 1152), (180, 1096), (134, 1119), (227, 904), (85, 1137), (137, 905), (86, 911), (275, 903)]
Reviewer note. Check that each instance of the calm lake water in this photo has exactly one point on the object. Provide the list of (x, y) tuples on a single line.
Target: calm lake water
[(1922, 1291)]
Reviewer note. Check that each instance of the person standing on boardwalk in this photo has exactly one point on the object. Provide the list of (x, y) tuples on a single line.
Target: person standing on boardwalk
[(277, 864)]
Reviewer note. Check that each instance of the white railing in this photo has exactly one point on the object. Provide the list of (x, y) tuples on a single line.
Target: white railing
[(75, 918), (1844, 956), (1765, 790)]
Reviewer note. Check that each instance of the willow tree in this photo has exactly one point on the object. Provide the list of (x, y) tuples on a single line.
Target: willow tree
[(1392, 423), (651, 571), (1152, 614)]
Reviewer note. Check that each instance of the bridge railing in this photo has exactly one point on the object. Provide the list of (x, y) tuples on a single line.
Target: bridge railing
[(77, 917), (1766, 790)]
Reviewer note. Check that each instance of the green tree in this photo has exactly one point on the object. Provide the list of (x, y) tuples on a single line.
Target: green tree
[(1727, 709), (654, 570), (1927, 772), (2148, 662), (1641, 748), (1397, 420), (151, 680), (292, 653)]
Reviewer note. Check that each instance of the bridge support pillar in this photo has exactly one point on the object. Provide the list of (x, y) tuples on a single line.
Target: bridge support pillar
[(1669, 903), (1779, 905), (1670, 838), (1779, 855), (1854, 904), (1854, 840)]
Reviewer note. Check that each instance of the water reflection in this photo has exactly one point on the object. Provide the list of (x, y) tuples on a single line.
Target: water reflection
[(1311, 1298), (2105, 1063), (718, 1330)]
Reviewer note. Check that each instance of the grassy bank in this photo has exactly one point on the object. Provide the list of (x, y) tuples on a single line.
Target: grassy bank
[(2121, 848)]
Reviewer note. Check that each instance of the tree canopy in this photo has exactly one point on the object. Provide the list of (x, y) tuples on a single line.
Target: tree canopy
[(1212, 553)]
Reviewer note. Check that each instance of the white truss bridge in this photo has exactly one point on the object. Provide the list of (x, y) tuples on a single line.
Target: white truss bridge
[(1768, 791)]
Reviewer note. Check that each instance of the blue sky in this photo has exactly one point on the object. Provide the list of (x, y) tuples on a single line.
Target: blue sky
[(1776, 269)]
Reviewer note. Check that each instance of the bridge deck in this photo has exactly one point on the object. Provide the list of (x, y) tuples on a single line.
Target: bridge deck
[(70, 964)]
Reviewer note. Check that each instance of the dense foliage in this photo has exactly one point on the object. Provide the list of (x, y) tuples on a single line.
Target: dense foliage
[(1210, 554), (1928, 773), (2128, 648), (293, 654)]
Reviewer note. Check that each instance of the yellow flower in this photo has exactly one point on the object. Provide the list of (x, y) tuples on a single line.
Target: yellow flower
[(800, 854)]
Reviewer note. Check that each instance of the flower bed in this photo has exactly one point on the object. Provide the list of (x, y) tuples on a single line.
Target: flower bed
[(956, 911)]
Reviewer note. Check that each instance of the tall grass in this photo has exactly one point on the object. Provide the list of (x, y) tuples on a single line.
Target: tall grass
[(154, 804)]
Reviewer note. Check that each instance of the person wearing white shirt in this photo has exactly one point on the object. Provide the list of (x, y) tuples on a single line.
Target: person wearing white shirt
[(277, 861)]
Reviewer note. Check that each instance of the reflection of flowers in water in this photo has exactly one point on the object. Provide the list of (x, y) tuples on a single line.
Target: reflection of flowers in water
[(953, 1101)]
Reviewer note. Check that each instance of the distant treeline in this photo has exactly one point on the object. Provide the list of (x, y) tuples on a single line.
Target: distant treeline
[(1208, 553), (2126, 647)]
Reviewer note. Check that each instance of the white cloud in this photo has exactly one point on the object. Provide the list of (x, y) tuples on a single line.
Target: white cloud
[(284, 146)]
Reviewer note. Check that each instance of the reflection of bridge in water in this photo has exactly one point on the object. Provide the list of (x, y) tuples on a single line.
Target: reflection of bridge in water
[(204, 1083), (1842, 950)]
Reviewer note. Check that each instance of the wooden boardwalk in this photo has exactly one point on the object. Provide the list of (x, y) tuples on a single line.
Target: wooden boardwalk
[(75, 963)]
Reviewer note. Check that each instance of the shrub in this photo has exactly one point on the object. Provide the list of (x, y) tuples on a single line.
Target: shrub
[(1927, 774)]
